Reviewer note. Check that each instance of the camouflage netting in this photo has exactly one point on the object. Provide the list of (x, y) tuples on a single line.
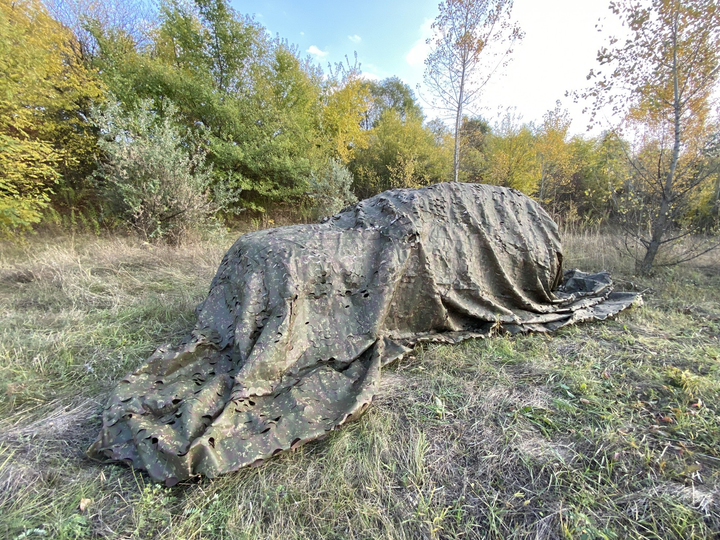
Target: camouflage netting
[(299, 321)]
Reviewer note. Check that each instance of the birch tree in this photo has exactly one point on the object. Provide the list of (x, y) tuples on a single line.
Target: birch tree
[(662, 82), (471, 40)]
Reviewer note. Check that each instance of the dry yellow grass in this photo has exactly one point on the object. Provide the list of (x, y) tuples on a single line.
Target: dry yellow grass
[(600, 431)]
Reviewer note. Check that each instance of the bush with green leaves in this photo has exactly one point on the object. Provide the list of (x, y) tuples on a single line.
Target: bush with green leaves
[(153, 174), (331, 189)]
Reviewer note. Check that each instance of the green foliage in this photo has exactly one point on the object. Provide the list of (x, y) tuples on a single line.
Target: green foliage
[(600, 169), (154, 176), (134, 18), (331, 189), (512, 156), (390, 93), (44, 91), (259, 102), (401, 153), (576, 180), (152, 511), (474, 134), (27, 171), (705, 205), (276, 129)]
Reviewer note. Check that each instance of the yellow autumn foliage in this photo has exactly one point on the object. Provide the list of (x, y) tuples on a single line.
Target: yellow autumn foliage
[(43, 89), (345, 104)]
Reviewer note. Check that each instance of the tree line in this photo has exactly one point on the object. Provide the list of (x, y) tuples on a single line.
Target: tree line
[(186, 114)]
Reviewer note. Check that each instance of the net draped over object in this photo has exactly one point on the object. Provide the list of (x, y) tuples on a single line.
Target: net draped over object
[(299, 321)]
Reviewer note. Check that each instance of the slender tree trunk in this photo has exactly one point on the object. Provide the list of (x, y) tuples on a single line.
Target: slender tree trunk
[(715, 211), (662, 221), (458, 120)]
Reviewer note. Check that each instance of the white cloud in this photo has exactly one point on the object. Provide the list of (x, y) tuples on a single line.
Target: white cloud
[(421, 49), (316, 51), (302, 33), (370, 76), (355, 38)]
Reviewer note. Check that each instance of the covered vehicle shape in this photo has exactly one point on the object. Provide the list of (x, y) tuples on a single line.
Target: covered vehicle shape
[(299, 321)]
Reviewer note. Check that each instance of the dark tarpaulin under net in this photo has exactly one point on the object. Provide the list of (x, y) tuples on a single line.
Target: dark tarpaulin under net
[(299, 321)]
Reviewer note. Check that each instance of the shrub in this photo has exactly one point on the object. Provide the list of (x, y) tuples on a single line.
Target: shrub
[(331, 189), (153, 174)]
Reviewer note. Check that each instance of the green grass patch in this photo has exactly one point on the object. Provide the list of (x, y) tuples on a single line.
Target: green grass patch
[(608, 430)]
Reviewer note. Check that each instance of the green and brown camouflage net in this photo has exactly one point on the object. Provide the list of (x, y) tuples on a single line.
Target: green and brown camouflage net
[(299, 321)]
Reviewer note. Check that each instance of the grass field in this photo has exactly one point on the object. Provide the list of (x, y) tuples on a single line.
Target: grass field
[(600, 431)]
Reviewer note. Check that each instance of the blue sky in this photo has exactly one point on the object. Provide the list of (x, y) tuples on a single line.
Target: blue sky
[(555, 56)]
